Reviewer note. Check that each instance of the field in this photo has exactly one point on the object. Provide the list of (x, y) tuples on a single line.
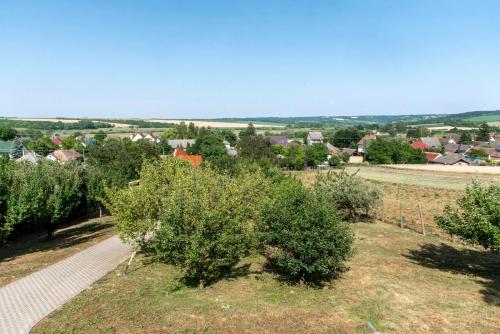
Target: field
[(33, 252), (484, 118), (218, 124), (399, 281)]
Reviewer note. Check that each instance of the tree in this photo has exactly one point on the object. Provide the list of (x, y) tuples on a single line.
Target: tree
[(334, 160), (302, 234), (17, 150), (42, 146), (346, 137), (100, 136), (476, 153), (465, 137), (349, 193), (202, 221), (209, 145), (381, 151), (5, 186), (7, 133), (483, 133), (45, 194), (315, 154), (255, 148), (476, 219), (248, 132), (295, 157)]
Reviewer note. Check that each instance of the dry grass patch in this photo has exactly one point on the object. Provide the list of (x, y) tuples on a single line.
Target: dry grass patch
[(399, 281), (33, 252)]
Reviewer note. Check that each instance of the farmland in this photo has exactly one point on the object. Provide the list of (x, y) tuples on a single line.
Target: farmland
[(399, 281)]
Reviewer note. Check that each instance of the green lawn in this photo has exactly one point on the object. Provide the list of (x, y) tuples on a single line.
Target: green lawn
[(399, 281)]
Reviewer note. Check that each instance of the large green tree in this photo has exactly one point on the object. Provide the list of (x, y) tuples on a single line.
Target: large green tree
[(346, 137), (483, 134), (315, 154), (7, 133)]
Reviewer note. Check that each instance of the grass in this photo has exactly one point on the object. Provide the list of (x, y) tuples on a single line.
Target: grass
[(31, 253), (399, 281)]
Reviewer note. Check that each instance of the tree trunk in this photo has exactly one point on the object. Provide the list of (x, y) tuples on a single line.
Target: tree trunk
[(100, 212)]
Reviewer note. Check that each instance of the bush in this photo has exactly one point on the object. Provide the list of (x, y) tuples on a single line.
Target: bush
[(348, 192), (303, 234), (477, 218)]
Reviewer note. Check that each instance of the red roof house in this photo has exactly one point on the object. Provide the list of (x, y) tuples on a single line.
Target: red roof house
[(431, 155), (195, 160), (419, 145)]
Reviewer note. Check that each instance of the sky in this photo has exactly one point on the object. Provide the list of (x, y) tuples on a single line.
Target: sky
[(247, 58)]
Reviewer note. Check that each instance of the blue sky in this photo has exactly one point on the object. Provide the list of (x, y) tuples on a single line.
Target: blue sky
[(205, 59)]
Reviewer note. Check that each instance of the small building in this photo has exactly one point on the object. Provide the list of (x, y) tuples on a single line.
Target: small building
[(195, 160), (149, 136), (12, 148), (456, 148), (29, 156), (64, 156), (57, 141), (363, 142), (454, 159), (430, 156), (431, 142), (314, 137), (278, 140), (419, 145)]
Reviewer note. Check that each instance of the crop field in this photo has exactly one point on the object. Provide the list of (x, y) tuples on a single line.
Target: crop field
[(218, 124), (484, 118)]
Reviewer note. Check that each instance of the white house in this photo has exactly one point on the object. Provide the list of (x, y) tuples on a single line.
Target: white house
[(314, 137)]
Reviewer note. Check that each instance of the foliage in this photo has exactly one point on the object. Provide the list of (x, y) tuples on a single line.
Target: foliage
[(70, 142), (49, 125), (346, 137), (483, 134), (477, 216), (477, 153), (121, 160), (349, 193), (5, 184), (7, 133), (294, 157), (381, 151), (201, 221), (302, 233), (42, 146), (255, 148), (43, 194), (248, 132), (208, 144), (334, 161), (100, 136), (418, 132), (315, 154), (17, 149)]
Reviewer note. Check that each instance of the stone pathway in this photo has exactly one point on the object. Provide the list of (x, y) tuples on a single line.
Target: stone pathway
[(26, 301)]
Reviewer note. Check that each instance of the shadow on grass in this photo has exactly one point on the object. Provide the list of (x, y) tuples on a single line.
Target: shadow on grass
[(481, 264), (63, 238), (229, 274)]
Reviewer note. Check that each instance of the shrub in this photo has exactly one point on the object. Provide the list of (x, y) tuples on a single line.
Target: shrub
[(348, 192), (303, 234), (476, 218)]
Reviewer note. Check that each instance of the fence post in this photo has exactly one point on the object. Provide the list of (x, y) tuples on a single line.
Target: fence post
[(421, 218), (383, 212)]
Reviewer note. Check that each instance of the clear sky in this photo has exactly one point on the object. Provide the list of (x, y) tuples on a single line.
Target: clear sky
[(246, 58)]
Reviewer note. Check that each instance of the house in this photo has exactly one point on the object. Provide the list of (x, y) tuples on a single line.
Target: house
[(63, 156), (456, 148), (419, 145), (230, 150), (314, 137), (431, 142), (493, 153), (332, 149), (149, 136), (430, 156), (278, 140), (454, 159), (136, 136), (451, 138), (354, 156), (195, 160), (182, 143), (12, 148), (30, 156), (363, 142)]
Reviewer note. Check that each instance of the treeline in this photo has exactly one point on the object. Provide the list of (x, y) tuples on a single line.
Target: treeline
[(43, 196), (48, 125), (138, 123), (204, 221)]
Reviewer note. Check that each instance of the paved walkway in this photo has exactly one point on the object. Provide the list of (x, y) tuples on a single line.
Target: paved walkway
[(26, 301)]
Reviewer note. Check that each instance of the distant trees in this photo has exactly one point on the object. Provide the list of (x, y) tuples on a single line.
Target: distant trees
[(209, 145), (42, 145), (346, 137), (381, 151), (418, 132), (294, 157), (302, 234), (255, 148), (476, 219), (7, 133), (181, 131), (248, 132)]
